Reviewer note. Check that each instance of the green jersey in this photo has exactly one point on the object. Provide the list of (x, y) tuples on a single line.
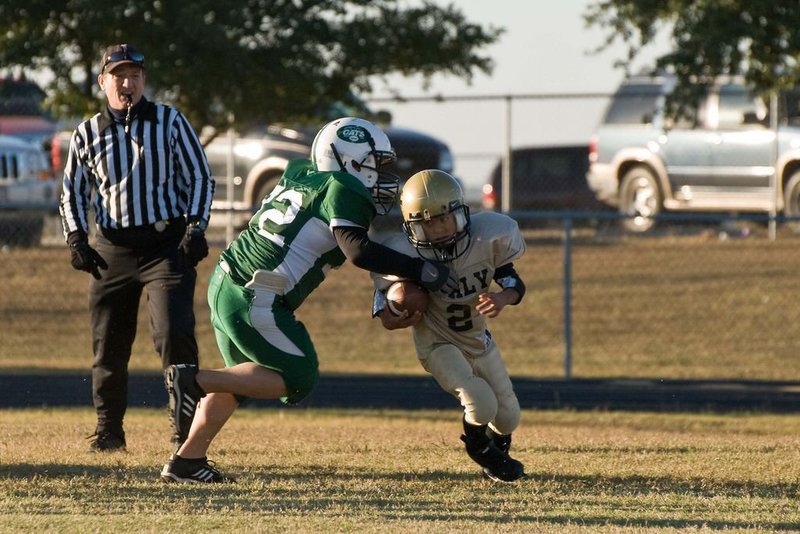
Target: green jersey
[(292, 232)]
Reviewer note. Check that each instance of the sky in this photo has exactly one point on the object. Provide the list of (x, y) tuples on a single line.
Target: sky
[(544, 50)]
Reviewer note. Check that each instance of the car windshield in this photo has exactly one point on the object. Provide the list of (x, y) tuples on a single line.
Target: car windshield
[(634, 104), (790, 107), (350, 106)]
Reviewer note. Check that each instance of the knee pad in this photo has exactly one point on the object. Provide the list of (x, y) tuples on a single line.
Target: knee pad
[(478, 400), (490, 367), (508, 414)]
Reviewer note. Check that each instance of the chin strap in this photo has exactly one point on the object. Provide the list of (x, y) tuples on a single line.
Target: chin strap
[(338, 159)]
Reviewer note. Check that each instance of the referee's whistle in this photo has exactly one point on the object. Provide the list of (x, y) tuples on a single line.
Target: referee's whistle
[(128, 99)]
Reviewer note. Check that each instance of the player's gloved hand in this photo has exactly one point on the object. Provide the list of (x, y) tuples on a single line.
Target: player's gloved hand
[(391, 321), (437, 277), (194, 244), (83, 257)]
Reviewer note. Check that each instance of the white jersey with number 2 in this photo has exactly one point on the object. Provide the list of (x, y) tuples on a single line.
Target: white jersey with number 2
[(451, 317)]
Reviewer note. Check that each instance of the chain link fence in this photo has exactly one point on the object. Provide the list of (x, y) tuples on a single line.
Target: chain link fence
[(704, 301)]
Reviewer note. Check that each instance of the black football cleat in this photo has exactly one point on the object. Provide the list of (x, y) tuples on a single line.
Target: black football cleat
[(184, 396)]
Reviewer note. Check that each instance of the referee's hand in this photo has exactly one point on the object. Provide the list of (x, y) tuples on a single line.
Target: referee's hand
[(194, 245), (83, 257)]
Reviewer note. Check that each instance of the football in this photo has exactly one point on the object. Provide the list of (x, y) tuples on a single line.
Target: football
[(406, 295)]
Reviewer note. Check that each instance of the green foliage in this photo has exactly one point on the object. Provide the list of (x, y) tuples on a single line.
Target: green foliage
[(757, 39), (259, 60)]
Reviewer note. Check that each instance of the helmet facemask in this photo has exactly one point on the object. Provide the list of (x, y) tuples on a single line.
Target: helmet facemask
[(430, 199), (442, 249)]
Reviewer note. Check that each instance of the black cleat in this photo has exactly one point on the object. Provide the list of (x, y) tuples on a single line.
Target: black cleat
[(184, 395), (496, 464), (104, 441), (484, 451), (192, 471), (503, 441)]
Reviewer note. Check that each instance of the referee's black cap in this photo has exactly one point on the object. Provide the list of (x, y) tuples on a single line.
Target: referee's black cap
[(120, 54)]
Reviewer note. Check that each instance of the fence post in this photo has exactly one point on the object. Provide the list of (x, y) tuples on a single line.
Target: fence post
[(773, 179), (230, 169), (567, 296), (506, 178)]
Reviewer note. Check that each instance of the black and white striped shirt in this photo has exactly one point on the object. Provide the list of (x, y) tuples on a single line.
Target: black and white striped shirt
[(157, 171)]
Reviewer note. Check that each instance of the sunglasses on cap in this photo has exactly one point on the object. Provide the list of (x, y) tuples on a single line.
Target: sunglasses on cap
[(125, 54)]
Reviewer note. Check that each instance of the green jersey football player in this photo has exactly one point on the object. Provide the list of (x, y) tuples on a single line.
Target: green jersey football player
[(316, 218)]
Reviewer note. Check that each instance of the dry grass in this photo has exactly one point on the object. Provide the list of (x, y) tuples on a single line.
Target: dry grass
[(673, 307), (331, 471)]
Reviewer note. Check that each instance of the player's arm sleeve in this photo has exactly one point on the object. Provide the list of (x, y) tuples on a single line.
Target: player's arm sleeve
[(506, 276), (508, 244), (371, 256), (378, 302)]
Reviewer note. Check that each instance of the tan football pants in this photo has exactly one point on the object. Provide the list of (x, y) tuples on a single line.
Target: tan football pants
[(481, 385)]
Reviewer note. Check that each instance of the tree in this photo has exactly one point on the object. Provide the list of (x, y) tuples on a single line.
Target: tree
[(754, 38), (255, 60)]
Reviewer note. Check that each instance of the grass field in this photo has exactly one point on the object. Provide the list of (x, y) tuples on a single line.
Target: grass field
[(678, 307), (351, 471)]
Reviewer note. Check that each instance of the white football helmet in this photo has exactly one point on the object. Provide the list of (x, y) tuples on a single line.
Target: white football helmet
[(428, 195), (358, 147)]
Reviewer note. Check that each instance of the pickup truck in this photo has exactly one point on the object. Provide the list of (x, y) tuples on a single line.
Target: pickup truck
[(723, 157)]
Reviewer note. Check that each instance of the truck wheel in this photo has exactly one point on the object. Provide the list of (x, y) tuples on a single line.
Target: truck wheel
[(791, 201), (640, 200), (265, 186)]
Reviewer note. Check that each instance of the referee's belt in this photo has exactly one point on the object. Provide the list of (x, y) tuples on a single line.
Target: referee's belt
[(157, 229), (158, 226)]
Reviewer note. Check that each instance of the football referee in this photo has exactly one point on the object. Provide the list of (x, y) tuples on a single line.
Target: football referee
[(141, 169)]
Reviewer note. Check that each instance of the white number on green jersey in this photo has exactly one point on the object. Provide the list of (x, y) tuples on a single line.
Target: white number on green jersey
[(292, 199)]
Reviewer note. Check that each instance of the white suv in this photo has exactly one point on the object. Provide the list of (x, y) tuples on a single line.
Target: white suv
[(27, 191), (719, 159)]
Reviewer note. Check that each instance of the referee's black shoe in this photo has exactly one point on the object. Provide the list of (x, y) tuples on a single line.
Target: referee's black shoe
[(184, 394), (103, 441)]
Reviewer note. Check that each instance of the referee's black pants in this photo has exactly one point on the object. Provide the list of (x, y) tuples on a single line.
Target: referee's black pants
[(138, 258)]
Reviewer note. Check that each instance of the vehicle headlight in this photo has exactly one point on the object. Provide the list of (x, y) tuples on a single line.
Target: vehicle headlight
[(249, 150)]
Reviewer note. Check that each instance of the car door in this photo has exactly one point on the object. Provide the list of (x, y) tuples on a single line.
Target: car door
[(742, 151), (686, 144), (742, 154)]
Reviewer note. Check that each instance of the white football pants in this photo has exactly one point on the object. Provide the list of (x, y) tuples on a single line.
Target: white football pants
[(481, 385)]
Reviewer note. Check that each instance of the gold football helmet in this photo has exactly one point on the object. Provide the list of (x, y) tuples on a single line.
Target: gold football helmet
[(430, 195)]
